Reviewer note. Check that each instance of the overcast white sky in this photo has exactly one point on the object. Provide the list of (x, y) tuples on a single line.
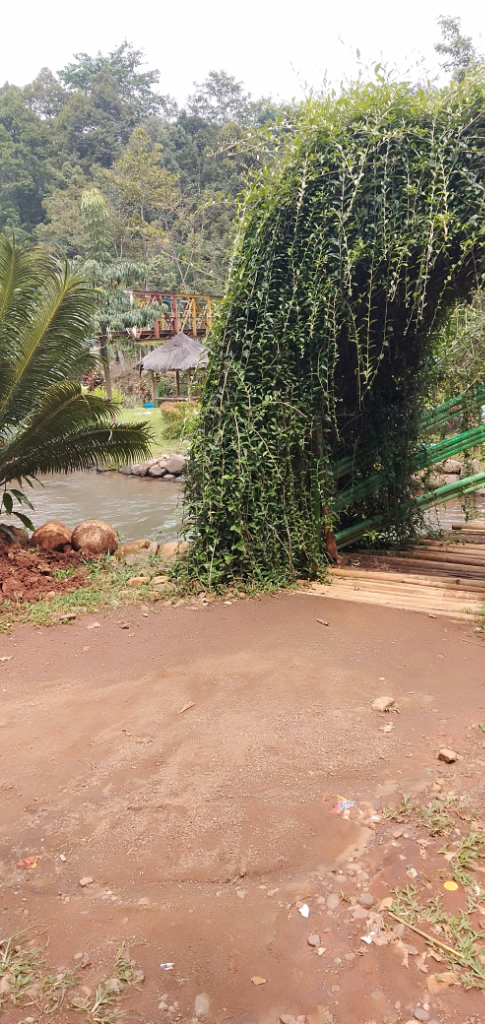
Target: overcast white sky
[(277, 48)]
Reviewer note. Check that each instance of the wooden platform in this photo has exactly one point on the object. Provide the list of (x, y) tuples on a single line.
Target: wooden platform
[(442, 577)]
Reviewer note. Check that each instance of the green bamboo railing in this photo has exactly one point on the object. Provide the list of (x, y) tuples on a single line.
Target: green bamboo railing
[(426, 456), (429, 421), (438, 496)]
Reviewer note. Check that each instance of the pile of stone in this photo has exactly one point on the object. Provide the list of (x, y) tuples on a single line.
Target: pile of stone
[(92, 537), (166, 467), (138, 551), (449, 472)]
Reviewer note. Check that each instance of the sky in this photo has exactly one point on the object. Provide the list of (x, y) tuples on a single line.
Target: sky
[(275, 48)]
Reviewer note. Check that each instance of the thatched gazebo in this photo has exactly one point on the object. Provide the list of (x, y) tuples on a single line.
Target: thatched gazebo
[(180, 354)]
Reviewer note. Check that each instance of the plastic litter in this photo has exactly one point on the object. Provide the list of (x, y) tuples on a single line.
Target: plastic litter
[(368, 938), (343, 806), (167, 967), (29, 862), (451, 886), (304, 910)]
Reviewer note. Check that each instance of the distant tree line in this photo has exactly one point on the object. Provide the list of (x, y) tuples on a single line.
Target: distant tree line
[(97, 165)]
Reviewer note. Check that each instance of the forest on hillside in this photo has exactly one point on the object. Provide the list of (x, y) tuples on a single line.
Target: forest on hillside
[(98, 166)]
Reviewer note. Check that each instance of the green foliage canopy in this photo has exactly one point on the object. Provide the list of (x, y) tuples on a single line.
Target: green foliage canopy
[(351, 251)]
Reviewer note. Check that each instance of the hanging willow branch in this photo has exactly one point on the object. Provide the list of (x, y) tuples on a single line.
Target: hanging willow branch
[(351, 251)]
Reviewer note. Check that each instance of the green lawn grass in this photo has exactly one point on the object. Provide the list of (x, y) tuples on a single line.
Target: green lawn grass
[(154, 419)]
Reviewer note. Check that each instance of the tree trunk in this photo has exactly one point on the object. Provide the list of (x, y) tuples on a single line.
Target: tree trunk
[(103, 351), (152, 382)]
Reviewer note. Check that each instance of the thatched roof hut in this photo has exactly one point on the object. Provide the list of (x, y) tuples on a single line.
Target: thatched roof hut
[(179, 353)]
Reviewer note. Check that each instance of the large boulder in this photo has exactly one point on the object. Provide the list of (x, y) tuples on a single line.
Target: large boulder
[(173, 549), (474, 466), (52, 536), (452, 466), (13, 535), (175, 464), (157, 470), (93, 537)]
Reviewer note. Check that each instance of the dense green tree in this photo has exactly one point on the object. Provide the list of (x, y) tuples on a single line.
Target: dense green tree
[(121, 66), (89, 120), (459, 51), (45, 95), (25, 168), (143, 188)]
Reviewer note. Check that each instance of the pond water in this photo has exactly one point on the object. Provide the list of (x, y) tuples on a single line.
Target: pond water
[(145, 507), (135, 506), (441, 517)]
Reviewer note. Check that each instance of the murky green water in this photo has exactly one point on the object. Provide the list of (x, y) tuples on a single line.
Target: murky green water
[(136, 506)]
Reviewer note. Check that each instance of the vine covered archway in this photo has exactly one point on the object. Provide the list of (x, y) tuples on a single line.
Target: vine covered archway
[(351, 251)]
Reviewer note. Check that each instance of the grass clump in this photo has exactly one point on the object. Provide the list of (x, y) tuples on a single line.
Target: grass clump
[(437, 818), (26, 981), (455, 935)]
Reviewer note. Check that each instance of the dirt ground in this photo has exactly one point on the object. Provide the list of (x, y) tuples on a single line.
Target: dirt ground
[(27, 575), (201, 832)]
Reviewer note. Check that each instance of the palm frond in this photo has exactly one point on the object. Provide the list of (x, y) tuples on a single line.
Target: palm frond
[(47, 423), (63, 417), (83, 448), (52, 346), (23, 268)]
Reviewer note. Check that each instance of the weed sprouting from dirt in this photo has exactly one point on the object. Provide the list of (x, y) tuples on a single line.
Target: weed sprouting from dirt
[(406, 807), (127, 970), (470, 850), (437, 818), (25, 980), (456, 936)]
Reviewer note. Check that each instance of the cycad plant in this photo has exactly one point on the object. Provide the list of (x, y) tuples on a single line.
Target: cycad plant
[(47, 423)]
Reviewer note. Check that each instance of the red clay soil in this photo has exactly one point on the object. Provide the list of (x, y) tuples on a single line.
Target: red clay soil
[(202, 831), (26, 574)]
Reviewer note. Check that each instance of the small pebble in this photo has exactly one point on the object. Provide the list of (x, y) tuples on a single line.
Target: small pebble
[(313, 940), (447, 755), (201, 1008), (359, 914), (333, 901), (420, 1014), (366, 899)]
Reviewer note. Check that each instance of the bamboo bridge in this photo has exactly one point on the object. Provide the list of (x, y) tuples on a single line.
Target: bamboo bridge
[(180, 312)]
